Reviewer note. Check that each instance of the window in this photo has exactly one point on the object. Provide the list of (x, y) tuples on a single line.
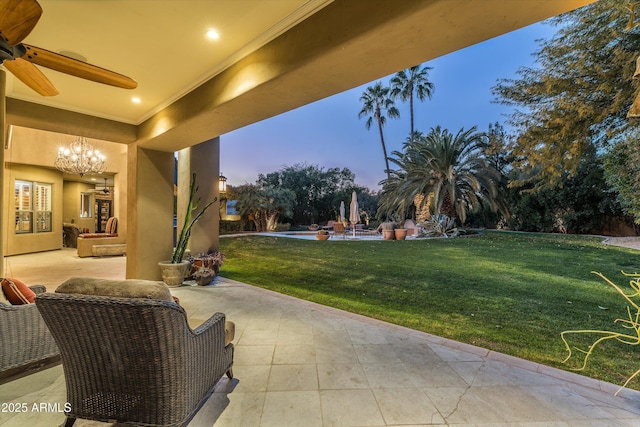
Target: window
[(33, 207), (24, 211), (231, 207), (85, 205)]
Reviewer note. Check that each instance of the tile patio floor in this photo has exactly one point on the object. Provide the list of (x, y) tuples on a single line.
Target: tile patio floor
[(302, 364)]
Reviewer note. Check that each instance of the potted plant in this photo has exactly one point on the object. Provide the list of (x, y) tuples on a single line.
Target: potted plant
[(212, 260), (175, 270), (204, 276), (400, 233), (313, 227), (322, 235), (205, 266), (388, 230)]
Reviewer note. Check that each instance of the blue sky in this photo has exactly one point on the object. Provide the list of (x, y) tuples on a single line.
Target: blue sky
[(329, 134)]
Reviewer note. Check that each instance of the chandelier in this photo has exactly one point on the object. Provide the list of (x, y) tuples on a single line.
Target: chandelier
[(80, 158)]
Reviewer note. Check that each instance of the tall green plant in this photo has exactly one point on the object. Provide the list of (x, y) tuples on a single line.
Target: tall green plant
[(189, 220)]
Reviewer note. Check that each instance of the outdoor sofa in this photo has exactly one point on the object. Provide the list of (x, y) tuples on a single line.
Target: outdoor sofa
[(100, 244)]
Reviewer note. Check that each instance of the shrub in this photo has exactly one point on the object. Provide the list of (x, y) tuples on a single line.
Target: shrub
[(230, 227), (283, 227), (439, 226)]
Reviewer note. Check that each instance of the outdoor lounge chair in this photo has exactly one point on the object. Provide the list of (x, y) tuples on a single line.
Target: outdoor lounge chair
[(129, 355), (339, 228)]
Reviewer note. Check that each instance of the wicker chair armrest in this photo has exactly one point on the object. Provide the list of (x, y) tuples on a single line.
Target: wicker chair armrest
[(38, 289), (207, 353)]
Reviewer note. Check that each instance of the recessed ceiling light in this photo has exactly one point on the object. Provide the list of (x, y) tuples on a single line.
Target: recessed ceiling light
[(136, 100), (213, 34)]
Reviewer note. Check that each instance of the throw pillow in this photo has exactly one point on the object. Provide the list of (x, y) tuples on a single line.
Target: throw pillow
[(112, 226), (131, 288), (16, 292)]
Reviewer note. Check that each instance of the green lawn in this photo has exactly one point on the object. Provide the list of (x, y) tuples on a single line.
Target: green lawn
[(509, 292)]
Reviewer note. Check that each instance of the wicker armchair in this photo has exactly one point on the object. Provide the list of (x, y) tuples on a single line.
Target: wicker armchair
[(135, 360), (25, 340)]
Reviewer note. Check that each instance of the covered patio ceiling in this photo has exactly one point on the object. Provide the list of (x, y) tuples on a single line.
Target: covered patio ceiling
[(272, 56)]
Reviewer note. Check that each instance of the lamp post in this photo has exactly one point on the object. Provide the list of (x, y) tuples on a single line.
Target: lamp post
[(222, 184), (222, 187)]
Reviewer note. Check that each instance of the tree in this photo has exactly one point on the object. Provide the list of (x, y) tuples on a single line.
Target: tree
[(622, 172), (577, 98), (314, 189), (584, 203), (497, 148), (376, 102), (406, 83), (453, 168), (264, 204)]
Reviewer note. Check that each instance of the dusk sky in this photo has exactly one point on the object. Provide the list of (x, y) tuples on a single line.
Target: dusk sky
[(329, 134)]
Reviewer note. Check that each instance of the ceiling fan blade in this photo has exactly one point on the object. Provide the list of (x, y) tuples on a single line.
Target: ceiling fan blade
[(64, 64), (17, 19), (29, 74)]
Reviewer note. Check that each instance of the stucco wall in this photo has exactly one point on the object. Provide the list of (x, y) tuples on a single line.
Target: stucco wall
[(71, 204)]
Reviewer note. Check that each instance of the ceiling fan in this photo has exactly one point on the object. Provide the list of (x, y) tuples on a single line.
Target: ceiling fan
[(17, 19), (104, 189)]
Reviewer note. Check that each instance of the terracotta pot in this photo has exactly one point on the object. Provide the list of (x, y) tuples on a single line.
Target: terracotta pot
[(400, 233), (174, 274), (322, 236), (389, 234)]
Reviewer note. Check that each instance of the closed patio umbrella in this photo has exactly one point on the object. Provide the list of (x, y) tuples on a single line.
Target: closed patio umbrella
[(354, 216), (342, 215)]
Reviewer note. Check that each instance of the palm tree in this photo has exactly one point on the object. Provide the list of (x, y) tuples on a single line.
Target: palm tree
[(377, 101), (453, 168), (414, 80)]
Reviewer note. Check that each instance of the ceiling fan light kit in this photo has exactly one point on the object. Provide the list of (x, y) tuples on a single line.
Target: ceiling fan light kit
[(104, 189)]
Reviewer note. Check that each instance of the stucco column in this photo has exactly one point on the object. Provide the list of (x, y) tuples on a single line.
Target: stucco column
[(149, 211), (3, 143), (204, 160)]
